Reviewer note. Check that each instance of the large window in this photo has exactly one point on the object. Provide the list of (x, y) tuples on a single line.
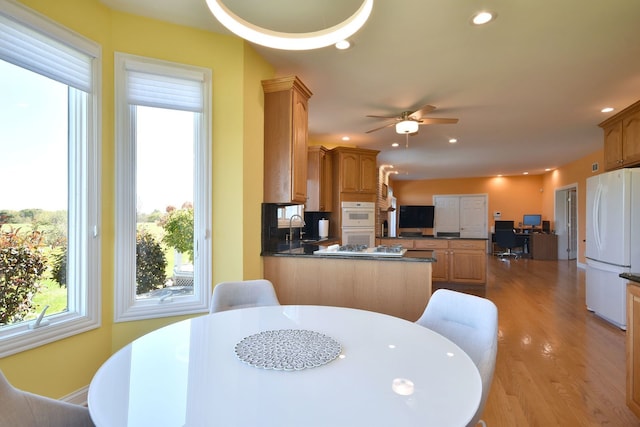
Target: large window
[(163, 254), (49, 225)]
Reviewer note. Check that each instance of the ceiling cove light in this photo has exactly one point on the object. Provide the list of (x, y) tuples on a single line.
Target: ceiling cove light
[(290, 41)]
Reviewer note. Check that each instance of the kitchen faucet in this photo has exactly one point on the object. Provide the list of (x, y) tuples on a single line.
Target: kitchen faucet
[(291, 226)]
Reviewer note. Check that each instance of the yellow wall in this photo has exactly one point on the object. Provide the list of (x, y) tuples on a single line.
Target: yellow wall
[(62, 367), (513, 196)]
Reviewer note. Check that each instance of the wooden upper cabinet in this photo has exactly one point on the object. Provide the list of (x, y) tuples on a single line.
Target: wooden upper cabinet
[(622, 138), (613, 146), (356, 170), (631, 139), (286, 119), (319, 192)]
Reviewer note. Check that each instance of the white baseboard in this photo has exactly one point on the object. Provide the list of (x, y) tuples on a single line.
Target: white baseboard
[(78, 397)]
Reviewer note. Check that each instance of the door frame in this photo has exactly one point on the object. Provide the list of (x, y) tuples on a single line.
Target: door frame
[(560, 222)]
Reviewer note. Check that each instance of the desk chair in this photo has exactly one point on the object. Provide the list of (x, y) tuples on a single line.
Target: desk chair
[(22, 409), (248, 293), (506, 239), (471, 323)]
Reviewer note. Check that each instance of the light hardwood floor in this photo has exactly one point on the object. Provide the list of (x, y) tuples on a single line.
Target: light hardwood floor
[(558, 364)]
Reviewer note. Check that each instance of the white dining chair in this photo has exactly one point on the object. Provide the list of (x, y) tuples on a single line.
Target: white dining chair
[(23, 409), (471, 322), (247, 293)]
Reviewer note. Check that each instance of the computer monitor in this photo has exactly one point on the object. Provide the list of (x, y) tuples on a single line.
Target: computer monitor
[(532, 220)]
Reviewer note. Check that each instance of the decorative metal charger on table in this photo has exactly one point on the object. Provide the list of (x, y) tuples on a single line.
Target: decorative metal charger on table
[(288, 349)]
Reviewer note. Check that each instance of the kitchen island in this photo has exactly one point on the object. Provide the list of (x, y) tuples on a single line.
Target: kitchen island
[(398, 286)]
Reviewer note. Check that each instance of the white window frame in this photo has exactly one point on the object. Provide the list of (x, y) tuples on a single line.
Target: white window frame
[(127, 307), (286, 212), (84, 204)]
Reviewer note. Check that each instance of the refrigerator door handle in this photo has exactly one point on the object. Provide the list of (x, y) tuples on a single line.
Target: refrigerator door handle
[(596, 217)]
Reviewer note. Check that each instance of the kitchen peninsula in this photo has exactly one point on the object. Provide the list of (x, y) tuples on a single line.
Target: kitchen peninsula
[(398, 286)]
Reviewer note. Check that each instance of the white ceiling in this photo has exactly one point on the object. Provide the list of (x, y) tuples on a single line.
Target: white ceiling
[(527, 88)]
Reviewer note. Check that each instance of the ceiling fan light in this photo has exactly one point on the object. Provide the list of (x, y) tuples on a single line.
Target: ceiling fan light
[(290, 41), (407, 126)]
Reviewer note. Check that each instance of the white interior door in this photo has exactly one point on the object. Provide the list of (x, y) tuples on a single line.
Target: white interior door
[(447, 214), (473, 216), (466, 214)]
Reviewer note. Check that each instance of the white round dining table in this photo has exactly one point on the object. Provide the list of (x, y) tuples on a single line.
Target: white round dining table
[(388, 372)]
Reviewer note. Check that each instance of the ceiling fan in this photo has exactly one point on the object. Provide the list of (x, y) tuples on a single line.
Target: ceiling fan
[(408, 121)]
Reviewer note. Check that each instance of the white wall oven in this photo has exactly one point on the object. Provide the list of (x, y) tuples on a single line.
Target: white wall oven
[(358, 223)]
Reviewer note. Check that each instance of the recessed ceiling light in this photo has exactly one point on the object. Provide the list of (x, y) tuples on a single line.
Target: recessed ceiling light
[(453, 141), (525, 173), (343, 44), (547, 169), (345, 138), (499, 175), (483, 17), (395, 144), (607, 110)]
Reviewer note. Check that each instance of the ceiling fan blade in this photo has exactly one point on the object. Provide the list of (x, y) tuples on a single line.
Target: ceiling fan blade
[(437, 121), (381, 127), (384, 117), (422, 111)]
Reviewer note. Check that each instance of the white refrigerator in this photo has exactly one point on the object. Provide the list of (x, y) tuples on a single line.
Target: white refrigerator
[(612, 241)]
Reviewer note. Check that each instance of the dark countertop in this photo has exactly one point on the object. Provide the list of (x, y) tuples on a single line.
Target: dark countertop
[(632, 277), (412, 256), (433, 238)]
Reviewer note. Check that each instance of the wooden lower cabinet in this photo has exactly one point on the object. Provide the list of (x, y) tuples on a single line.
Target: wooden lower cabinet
[(467, 261), (633, 348), (458, 260), (440, 250)]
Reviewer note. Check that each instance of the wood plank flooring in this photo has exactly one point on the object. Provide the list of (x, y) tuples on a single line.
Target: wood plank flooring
[(558, 364)]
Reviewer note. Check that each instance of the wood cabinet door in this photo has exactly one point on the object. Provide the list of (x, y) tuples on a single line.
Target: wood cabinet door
[(368, 174), (299, 149), (613, 146), (349, 172), (631, 139), (633, 348), (440, 268), (326, 193), (318, 180), (467, 266)]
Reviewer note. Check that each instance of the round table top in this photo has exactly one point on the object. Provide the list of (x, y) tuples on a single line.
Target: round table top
[(388, 372)]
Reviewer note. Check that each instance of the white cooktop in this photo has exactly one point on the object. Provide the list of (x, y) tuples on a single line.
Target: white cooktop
[(364, 252)]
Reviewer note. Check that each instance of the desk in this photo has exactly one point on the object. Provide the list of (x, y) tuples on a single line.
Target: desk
[(188, 374), (536, 245)]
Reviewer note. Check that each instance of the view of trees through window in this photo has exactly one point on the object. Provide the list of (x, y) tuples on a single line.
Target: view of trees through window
[(164, 195), (33, 200)]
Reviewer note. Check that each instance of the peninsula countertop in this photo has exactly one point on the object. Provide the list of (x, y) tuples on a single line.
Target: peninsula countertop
[(302, 252)]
